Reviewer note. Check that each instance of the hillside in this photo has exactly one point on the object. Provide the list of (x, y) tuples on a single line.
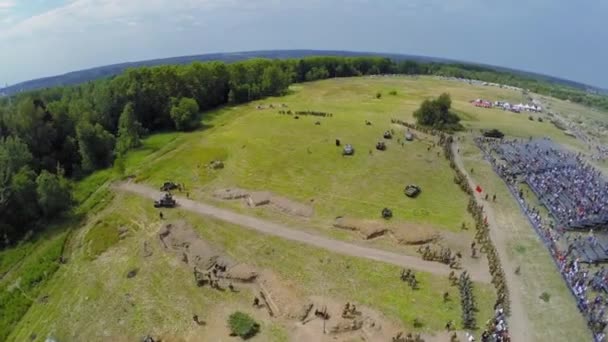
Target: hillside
[(127, 271), (82, 76)]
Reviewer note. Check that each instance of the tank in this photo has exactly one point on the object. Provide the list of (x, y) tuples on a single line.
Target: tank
[(388, 135), (168, 186), (349, 150), (409, 136), (380, 146), (387, 213), (412, 190), (166, 201)]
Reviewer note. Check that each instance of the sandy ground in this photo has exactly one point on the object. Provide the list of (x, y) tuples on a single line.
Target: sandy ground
[(518, 321), (301, 236)]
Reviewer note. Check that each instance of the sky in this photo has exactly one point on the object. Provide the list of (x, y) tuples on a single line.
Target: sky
[(567, 39)]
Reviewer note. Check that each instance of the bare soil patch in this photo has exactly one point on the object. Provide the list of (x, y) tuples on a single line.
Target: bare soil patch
[(403, 233), (265, 198)]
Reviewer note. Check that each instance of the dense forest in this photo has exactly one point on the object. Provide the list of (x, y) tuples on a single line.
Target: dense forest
[(51, 135)]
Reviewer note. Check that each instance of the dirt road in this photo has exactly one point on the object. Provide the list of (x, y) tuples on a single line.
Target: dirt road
[(299, 235), (518, 321)]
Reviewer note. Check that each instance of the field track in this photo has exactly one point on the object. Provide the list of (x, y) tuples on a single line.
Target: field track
[(299, 235)]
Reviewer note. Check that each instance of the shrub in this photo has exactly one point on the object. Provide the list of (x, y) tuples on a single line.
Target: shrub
[(435, 113), (418, 323), (378, 95), (392, 92), (545, 297), (493, 133), (241, 324)]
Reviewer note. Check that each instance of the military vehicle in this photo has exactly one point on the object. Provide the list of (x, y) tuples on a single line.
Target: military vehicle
[(349, 150), (380, 146), (409, 136), (166, 201), (388, 135), (412, 190), (387, 213), (168, 186)]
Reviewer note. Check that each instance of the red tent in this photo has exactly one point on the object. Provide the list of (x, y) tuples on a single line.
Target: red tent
[(479, 189)]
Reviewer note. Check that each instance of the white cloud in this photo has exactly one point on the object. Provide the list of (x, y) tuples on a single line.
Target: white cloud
[(7, 4), (82, 14)]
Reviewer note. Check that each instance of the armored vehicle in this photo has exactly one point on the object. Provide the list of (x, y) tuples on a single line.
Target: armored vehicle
[(166, 201), (349, 150), (412, 190)]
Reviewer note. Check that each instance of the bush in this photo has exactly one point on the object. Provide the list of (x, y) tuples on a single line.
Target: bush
[(241, 324), (418, 323), (392, 92), (378, 95), (436, 114), (493, 133), (545, 297)]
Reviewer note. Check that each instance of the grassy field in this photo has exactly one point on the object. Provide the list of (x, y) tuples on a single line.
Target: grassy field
[(164, 296), (91, 298)]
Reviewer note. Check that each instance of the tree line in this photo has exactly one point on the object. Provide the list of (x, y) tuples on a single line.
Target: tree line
[(50, 135)]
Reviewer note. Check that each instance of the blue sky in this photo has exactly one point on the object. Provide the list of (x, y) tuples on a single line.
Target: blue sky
[(560, 38)]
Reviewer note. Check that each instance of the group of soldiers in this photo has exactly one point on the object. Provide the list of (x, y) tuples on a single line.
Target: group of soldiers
[(306, 112), (482, 235), (409, 337), (467, 301), (211, 277), (416, 127), (350, 311), (410, 277), (444, 256)]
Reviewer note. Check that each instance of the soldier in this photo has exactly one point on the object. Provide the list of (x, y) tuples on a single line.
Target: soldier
[(494, 198), (231, 287), (517, 270), (197, 321), (160, 214), (446, 297), (256, 302), (473, 252), (452, 277)]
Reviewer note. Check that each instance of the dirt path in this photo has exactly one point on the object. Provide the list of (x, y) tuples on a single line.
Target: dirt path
[(518, 321), (300, 235)]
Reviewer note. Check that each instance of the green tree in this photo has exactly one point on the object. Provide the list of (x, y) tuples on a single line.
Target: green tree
[(241, 324), (95, 145), (54, 194), (317, 73), (436, 113), (274, 80), (23, 200), (184, 113), (128, 130)]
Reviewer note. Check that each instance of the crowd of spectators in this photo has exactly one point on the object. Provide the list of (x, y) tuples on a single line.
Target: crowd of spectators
[(574, 191), (519, 162)]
